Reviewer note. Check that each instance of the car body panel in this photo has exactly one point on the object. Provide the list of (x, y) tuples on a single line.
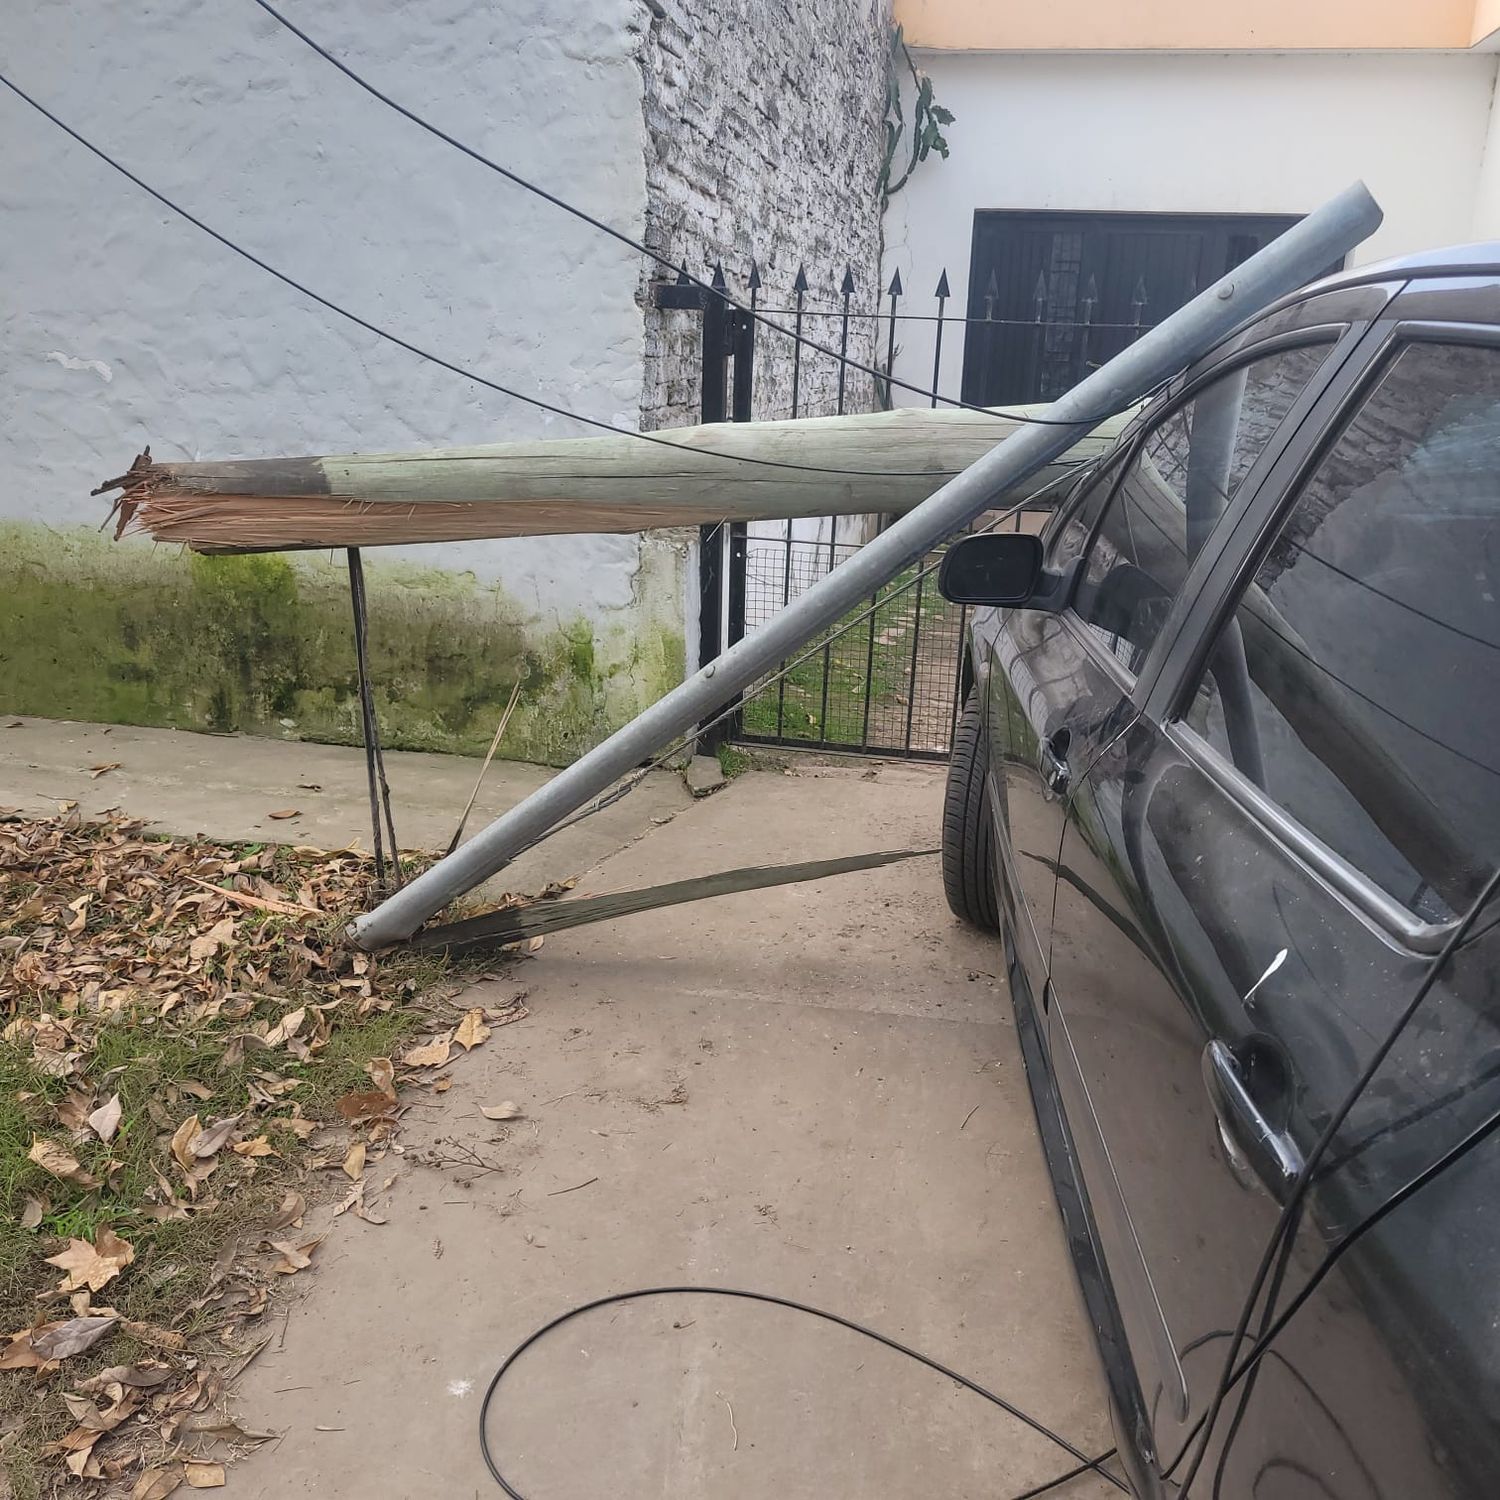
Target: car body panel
[(1144, 906)]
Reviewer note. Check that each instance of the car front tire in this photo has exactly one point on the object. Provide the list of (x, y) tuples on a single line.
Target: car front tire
[(968, 870)]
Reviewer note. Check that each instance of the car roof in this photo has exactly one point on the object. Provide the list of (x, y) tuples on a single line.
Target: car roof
[(1479, 259), (1449, 260)]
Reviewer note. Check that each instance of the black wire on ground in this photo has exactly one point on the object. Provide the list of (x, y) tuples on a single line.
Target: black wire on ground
[(1234, 1369), (1085, 1464), (384, 333), (632, 243)]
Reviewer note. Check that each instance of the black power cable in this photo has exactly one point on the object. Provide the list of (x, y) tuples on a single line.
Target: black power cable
[(632, 243), (411, 348), (1234, 1369), (1084, 1465), (1272, 1324)]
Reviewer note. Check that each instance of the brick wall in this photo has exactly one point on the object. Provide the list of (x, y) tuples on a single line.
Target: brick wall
[(763, 141)]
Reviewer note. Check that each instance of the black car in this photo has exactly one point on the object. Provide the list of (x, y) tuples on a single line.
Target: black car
[(1227, 776)]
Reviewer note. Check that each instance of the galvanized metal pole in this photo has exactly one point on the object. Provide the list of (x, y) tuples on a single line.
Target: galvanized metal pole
[(1323, 237)]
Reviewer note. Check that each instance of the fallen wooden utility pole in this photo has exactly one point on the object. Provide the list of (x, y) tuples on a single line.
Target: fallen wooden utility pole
[(876, 463), (1288, 262)]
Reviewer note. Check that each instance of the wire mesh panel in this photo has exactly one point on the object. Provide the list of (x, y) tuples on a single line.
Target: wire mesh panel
[(886, 679), (883, 680)]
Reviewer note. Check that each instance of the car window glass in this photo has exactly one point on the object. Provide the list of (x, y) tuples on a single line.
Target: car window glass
[(1356, 684), (1186, 469)]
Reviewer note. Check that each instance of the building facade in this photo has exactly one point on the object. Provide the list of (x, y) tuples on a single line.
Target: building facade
[(1106, 160), (719, 129)]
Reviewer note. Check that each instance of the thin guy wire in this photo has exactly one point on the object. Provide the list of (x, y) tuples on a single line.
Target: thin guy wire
[(629, 784)]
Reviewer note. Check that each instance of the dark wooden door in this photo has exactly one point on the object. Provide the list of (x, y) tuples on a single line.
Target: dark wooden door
[(1054, 295)]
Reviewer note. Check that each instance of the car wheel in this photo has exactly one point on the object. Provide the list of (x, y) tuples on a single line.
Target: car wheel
[(968, 871)]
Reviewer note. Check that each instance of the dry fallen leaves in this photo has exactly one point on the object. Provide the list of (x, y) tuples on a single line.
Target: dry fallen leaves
[(182, 1142), (294, 1257), (95, 772), (506, 1110), (211, 1140), (60, 1162), (203, 1476), (431, 1054), (471, 1030), (64, 1340), (383, 1075), (93, 1266), (365, 1105), (260, 1146), (286, 1028), (206, 944), (239, 954), (105, 1120), (157, 1484), (293, 1206), (73, 1109), (354, 1162), (285, 812)]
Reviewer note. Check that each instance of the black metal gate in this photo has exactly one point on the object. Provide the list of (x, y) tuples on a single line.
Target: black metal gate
[(1051, 296), (885, 680)]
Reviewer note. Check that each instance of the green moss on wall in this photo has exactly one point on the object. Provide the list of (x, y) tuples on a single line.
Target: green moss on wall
[(263, 645)]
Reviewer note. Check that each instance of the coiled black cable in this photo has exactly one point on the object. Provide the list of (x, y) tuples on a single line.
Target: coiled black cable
[(1085, 1464)]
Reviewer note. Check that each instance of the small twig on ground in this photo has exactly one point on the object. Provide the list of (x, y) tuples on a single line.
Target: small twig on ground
[(560, 1191), (970, 1116), (469, 1159), (735, 1430), (510, 708)]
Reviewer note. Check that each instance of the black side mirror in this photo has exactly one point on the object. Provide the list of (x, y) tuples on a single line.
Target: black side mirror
[(996, 568)]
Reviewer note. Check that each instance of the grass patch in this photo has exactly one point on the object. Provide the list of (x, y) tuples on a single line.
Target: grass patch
[(146, 984), (856, 690), (733, 761)]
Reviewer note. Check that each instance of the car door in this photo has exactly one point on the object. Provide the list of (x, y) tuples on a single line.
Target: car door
[(1252, 882), (1061, 686)]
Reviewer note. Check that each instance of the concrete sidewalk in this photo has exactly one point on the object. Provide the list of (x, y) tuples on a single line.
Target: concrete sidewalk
[(226, 786), (813, 1091)]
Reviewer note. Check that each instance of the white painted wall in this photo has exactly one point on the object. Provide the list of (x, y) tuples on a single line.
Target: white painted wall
[(121, 325), (1486, 224), (1190, 133)]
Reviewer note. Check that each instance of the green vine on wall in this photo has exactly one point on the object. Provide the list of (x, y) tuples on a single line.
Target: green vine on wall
[(927, 120)]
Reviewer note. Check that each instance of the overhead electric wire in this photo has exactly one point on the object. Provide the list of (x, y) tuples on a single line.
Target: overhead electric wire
[(1413, 1185), (1085, 1463), (411, 348), (633, 243)]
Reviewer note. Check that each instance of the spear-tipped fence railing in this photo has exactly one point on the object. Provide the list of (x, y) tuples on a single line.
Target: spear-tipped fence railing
[(896, 691)]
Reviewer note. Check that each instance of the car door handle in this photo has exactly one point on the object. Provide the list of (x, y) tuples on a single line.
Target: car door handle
[(1052, 760), (1251, 1141)]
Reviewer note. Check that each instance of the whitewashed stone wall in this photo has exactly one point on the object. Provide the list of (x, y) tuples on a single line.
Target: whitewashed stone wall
[(763, 142), (718, 127)]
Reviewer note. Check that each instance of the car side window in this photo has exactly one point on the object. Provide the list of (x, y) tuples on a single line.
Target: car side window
[(1182, 475), (1358, 682)]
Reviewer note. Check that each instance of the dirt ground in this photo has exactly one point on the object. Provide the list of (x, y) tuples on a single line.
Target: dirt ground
[(814, 1091)]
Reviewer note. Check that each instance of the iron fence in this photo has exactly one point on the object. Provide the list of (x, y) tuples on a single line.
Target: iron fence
[(889, 680)]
